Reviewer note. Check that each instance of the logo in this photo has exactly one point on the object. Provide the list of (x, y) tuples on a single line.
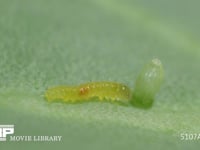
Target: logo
[(5, 130)]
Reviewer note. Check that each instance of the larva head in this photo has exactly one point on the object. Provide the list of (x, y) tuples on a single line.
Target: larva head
[(147, 84)]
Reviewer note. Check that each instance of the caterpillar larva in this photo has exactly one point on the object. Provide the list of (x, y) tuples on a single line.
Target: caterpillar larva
[(102, 90), (147, 85)]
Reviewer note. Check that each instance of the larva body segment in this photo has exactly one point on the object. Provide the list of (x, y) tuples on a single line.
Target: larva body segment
[(102, 90), (147, 84)]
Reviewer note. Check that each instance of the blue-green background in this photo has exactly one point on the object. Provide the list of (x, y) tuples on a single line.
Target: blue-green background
[(44, 43)]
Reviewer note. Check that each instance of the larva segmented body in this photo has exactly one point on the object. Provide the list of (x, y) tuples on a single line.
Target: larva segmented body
[(102, 90)]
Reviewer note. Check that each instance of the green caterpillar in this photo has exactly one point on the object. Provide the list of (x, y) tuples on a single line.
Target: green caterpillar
[(147, 85), (102, 90)]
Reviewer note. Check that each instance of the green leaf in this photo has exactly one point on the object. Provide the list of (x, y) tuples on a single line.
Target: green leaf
[(48, 43)]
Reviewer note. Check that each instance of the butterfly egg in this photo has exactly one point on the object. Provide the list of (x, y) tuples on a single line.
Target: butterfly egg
[(147, 84)]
